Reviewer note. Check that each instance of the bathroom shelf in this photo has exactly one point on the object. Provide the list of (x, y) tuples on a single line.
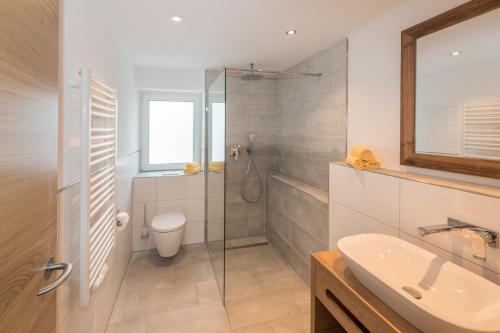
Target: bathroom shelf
[(340, 303), (488, 191)]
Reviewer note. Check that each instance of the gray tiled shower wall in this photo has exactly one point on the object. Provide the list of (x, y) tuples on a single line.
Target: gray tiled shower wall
[(250, 107), (296, 225), (300, 124), (311, 113)]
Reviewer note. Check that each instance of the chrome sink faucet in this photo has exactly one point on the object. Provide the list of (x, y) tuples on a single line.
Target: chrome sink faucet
[(488, 236)]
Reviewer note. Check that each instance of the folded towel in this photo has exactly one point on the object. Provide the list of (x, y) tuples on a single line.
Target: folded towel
[(372, 165), (192, 168), (216, 166), (362, 153), (357, 163)]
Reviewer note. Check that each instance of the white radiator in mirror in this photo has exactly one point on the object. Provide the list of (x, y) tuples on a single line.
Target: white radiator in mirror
[(481, 131)]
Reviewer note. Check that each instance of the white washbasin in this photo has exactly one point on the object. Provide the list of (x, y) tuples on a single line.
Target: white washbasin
[(452, 299)]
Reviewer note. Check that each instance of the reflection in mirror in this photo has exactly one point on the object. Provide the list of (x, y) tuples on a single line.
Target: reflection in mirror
[(458, 89)]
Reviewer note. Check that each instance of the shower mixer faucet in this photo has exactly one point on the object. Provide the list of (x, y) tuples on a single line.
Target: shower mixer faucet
[(235, 151)]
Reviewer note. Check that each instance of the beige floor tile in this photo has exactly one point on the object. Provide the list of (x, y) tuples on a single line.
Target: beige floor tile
[(258, 309), (150, 301), (208, 292), (151, 279), (148, 270), (293, 324), (256, 259), (271, 281), (181, 295), (209, 318), (134, 325), (118, 313), (191, 254), (192, 273), (241, 285)]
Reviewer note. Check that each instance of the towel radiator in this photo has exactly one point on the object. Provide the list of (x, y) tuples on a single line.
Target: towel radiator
[(481, 136), (98, 143)]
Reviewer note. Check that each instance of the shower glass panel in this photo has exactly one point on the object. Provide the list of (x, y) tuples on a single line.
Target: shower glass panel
[(245, 124), (215, 141)]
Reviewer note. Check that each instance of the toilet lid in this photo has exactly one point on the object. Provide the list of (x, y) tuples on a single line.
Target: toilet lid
[(168, 222)]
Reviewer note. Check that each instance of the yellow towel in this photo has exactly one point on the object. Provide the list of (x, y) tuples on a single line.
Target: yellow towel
[(362, 153), (357, 163), (216, 166), (372, 165), (192, 168)]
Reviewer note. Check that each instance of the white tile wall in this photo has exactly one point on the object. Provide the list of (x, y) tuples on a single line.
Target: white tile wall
[(423, 204), (168, 194), (364, 202), (350, 222), (371, 194), (192, 208), (215, 229), (215, 184), (180, 187), (215, 207), (144, 190)]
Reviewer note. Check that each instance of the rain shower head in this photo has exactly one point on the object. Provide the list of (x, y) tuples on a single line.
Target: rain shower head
[(252, 76)]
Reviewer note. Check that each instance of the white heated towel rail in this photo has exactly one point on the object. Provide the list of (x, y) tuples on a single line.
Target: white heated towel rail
[(481, 137), (97, 180)]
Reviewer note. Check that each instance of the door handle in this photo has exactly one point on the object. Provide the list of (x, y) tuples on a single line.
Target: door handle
[(51, 266)]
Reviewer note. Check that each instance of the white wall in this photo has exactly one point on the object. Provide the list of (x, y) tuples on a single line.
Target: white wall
[(85, 43), (181, 79), (374, 83)]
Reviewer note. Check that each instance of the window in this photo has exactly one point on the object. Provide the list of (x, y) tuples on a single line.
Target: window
[(218, 131), (171, 130)]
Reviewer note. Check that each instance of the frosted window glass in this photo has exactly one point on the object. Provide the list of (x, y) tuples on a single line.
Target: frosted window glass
[(218, 131), (171, 126)]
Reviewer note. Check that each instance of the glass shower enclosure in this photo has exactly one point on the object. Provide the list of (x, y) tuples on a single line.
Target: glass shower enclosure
[(241, 126), (215, 127)]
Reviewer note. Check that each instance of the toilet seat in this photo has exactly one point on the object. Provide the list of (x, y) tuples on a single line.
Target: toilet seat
[(168, 222)]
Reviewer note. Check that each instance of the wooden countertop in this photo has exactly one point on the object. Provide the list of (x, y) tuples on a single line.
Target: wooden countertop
[(368, 308)]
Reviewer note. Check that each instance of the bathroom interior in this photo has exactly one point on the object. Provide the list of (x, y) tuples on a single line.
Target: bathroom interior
[(250, 166)]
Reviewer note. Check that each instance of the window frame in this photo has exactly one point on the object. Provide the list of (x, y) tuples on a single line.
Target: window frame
[(169, 96)]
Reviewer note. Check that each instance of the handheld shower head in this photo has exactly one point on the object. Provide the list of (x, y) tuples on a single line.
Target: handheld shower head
[(251, 165), (251, 139)]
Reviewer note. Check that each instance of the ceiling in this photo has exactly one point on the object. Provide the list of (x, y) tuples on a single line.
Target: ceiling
[(232, 32)]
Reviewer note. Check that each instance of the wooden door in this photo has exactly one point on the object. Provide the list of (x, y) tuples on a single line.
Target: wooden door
[(28, 137)]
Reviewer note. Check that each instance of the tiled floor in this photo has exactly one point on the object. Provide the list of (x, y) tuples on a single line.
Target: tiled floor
[(180, 295)]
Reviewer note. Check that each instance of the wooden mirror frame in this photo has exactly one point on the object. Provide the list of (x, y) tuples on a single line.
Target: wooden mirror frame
[(409, 156)]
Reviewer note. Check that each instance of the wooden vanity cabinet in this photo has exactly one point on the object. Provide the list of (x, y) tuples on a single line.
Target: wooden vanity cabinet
[(339, 303)]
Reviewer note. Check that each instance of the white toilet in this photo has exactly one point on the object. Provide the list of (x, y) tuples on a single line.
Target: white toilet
[(168, 233)]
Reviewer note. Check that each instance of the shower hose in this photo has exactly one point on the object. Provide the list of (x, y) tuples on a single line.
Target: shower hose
[(251, 164)]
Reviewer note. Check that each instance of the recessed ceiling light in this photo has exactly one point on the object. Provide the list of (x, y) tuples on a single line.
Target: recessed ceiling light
[(176, 18), (291, 32), (455, 53)]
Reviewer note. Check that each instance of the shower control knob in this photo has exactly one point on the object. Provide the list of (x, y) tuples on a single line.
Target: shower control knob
[(235, 151)]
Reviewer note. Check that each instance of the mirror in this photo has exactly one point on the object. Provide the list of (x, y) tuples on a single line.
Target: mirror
[(451, 91), (458, 89)]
